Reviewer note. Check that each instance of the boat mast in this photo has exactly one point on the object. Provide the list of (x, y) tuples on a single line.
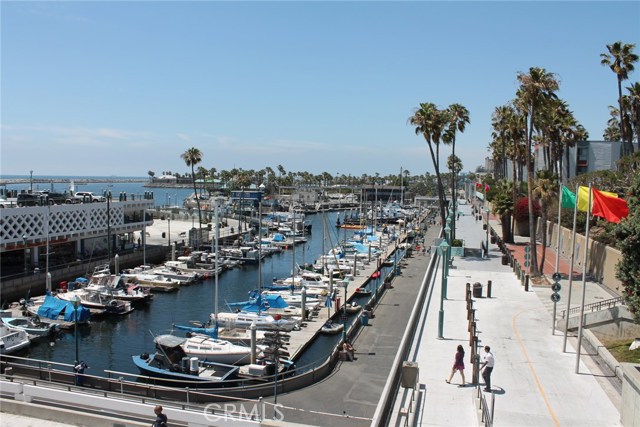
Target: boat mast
[(48, 275), (216, 238), (260, 251), (293, 246)]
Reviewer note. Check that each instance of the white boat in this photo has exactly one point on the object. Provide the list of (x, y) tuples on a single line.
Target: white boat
[(12, 340), (244, 320), (330, 328), (187, 265), (114, 286), (353, 307), (96, 300), (185, 278), (216, 350), (31, 325), (307, 279), (154, 281), (295, 299)]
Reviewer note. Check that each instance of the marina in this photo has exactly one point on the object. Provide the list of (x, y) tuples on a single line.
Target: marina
[(135, 332)]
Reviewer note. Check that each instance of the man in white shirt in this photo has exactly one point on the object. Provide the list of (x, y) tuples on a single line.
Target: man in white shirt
[(487, 367)]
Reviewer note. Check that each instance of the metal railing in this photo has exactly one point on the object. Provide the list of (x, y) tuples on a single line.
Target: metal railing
[(596, 306), (486, 409)]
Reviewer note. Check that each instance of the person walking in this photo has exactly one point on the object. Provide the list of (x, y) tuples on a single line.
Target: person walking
[(458, 365), (487, 367), (161, 419), (79, 369)]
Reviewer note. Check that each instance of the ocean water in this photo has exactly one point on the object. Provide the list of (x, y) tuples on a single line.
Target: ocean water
[(162, 196)]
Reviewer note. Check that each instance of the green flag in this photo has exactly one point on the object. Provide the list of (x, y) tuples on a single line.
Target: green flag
[(568, 198)]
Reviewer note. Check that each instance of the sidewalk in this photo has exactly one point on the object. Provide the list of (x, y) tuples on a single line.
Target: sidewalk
[(534, 382)]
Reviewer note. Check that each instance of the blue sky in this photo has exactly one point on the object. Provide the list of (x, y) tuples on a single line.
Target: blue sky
[(121, 88)]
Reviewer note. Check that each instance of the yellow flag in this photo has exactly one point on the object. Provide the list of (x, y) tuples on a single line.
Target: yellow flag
[(583, 198)]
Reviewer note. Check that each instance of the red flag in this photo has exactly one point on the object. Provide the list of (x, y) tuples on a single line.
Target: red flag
[(613, 209)]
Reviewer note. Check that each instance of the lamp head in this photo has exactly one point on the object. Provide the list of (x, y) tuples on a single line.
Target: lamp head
[(75, 301)]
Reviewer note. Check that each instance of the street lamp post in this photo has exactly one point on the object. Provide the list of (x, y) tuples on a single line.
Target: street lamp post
[(443, 250), (169, 231), (24, 243), (30, 181), (344, 307), (76, 303), (447, 233), (487, 241)]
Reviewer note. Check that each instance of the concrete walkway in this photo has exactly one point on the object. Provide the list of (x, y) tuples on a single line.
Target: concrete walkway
[(534, 382)]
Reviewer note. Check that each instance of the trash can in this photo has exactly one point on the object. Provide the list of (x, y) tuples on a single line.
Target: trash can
[(364, 319), (477, 290)]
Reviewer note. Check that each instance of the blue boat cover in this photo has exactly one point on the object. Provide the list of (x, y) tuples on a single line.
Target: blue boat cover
[(212, 332), (279, 237), (51, 308), (266, 302), (83, 313)]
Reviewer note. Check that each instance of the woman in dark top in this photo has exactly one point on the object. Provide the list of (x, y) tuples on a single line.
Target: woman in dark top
[(458, 365)]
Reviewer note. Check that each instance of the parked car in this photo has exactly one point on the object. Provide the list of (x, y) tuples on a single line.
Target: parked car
[(87, 196), (29, 199), (4, 203), (42, 198)]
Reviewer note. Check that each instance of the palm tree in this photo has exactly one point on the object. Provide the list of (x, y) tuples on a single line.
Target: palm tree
[(192, 157), (536, 87), (503, 207), (620, 59), (431, 123), (634, 104), (458, 119), (546, 190)]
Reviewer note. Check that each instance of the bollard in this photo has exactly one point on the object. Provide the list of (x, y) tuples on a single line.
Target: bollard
[(476, 369), (489, 289), (468, 288), (472, 333), (526, 283)]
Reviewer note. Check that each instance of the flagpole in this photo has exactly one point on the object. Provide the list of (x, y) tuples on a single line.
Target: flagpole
[(558, 227), (584, 280), (573, 251)]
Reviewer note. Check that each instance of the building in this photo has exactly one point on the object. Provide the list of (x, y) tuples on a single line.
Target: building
[(586, 156), (71, 231)]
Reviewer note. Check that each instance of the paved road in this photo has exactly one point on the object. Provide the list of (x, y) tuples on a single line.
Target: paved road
[(348, 397)]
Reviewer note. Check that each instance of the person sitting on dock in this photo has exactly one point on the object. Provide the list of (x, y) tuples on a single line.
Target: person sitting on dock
[(349, 350)]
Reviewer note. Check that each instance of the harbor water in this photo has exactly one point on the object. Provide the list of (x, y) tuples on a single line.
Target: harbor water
[(109, 343)]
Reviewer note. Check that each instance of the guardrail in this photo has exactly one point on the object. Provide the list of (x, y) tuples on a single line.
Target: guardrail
[(486, 409), (596, 306)]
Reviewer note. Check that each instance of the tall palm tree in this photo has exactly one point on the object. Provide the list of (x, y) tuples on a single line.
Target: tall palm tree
[(192, 157), (546, 190), (634, 105), (458, 120), (431, 123), (503, 207), (620, 59), (536, 87)]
